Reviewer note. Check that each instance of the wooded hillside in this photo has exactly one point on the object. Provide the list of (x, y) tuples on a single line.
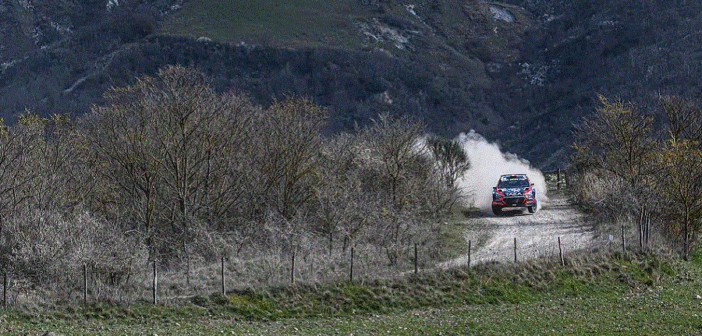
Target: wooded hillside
[(519, 72)]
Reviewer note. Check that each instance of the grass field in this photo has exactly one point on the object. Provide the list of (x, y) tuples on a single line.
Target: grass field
[(630, 295), (344, 25), (308, 22)]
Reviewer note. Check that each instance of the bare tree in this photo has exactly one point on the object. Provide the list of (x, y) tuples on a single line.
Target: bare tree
[(168, 143), (680, 180), (16, 177), (200, 131), (19, 147), (450, 163), (616, 145), (617, 139), (124, 149), (451, 160), (394, 142), (344, 206), (684, 118), (289, 147), (680, 164)]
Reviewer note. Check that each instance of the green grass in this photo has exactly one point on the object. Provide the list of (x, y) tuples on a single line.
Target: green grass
[(453, 229), (602, 295), (331, 24), (308, 22)]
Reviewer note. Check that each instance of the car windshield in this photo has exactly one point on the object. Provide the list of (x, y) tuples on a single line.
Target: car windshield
[(517, 182)]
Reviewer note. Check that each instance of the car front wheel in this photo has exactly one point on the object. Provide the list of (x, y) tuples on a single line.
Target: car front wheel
[(496, 210)]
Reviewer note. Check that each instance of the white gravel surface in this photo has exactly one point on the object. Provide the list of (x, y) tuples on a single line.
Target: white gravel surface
[(492, 237)]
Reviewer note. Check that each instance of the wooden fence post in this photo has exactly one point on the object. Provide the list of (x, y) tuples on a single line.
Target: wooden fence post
[(292, 269), (416, 266), (640, 227), (515, 249), (224, 288), (560, 252), (623, 241), (469, 253), (4, 288), (351, 268), (155, 284), (647, 227), (187, 264), (85, 283), (558, 179)]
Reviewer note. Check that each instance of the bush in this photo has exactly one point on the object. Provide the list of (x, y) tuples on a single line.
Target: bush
[(48, 247)]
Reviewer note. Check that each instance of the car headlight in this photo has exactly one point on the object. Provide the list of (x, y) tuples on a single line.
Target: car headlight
[(528, 194)]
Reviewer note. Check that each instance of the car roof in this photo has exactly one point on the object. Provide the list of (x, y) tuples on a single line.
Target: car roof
[(514, 176)]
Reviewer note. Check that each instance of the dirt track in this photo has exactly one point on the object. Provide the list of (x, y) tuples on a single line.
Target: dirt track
[(537, 235)]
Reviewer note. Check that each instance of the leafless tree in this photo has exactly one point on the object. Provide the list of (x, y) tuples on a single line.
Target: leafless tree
[(684, 118), (394, 143), (169, 143), (450, 163), (680, 181), (617, 139), (288, 153), (616, 144), (680, 164), (19, 146)]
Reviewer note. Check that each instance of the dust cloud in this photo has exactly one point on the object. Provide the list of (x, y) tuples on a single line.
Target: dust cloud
[(487, 163)]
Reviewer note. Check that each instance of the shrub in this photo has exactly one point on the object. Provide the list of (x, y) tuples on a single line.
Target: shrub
[(48, 248)]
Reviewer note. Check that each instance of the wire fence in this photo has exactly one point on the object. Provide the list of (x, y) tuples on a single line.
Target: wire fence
[(159, 282), (556, 248), (160, 279)]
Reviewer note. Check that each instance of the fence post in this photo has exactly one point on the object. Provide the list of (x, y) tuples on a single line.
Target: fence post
[(4, 289), (558, 179), (641, 223), (623, 241), (469, 253), (224, 289), (351, 268), (515, 249), (416, 268), (647, 227), (187, 264), (85, 283), (155, 283), (292, 269), (560, 252)]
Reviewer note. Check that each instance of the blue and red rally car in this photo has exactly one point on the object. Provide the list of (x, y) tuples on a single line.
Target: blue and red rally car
[(513, 191)]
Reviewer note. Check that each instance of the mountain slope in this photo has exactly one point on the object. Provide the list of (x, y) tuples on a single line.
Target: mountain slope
[(520, 72)]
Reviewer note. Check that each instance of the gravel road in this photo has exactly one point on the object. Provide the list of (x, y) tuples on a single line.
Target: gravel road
[(492, 237)]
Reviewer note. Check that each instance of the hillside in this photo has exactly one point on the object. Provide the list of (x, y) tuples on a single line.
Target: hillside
[(520, 72)]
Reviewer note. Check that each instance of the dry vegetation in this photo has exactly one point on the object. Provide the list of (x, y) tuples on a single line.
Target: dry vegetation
[(634, 289), (168, 170), (635, 175)]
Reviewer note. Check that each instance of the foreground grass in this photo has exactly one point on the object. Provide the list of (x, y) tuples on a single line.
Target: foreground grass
[(633, 294)]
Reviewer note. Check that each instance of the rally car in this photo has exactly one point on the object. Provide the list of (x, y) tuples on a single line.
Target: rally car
[(513, 191)]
